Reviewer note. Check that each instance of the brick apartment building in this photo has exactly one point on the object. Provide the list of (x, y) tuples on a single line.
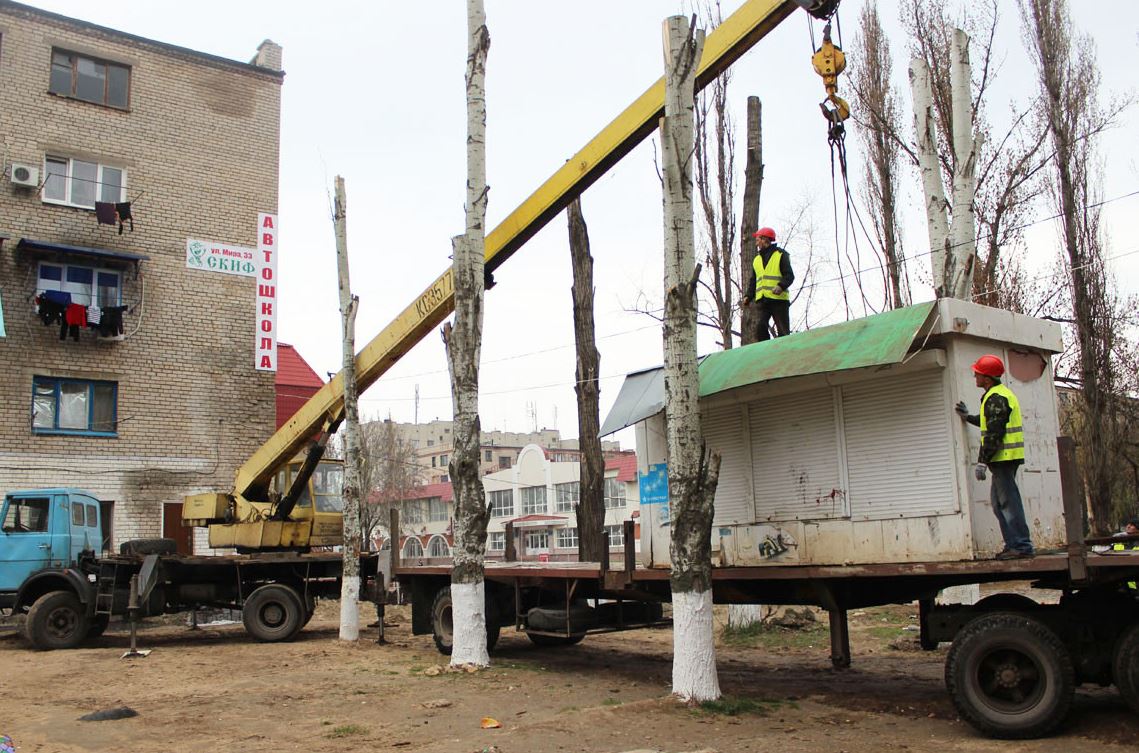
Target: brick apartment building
[(169, 402)]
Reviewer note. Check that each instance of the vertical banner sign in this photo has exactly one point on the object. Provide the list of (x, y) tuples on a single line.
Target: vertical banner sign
[(265, 350)]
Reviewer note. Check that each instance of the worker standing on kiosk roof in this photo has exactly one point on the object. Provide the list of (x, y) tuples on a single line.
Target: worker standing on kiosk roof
[(771, 276), (1002, 452)]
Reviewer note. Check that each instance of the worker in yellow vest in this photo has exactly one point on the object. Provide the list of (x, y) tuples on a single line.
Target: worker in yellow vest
[(1002, 452), (770, 279)]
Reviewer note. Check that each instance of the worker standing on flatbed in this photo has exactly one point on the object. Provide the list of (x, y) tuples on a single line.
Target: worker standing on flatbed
[(1002, 451), (771, 276)]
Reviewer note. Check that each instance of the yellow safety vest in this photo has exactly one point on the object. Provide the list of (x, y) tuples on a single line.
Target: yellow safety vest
[(1123, 547), (1012, 445), (768, 276)]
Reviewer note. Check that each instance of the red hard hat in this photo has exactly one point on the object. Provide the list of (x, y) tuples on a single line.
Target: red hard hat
[(764, 232), (989, 366)]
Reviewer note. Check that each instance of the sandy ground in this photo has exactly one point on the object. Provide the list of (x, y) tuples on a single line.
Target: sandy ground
[(216, 690)]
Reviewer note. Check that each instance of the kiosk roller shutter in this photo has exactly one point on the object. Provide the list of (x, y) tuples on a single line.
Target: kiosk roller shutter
[(795, 457), (724, 432), (898, 447)]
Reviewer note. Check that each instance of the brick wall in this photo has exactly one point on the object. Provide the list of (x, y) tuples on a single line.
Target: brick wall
[(199, 144)]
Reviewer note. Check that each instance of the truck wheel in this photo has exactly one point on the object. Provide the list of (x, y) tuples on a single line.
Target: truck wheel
[(272, 613), (554, 640), (1125, 667), (443, 629), (1010, 676), (143, 547), (56, 620)]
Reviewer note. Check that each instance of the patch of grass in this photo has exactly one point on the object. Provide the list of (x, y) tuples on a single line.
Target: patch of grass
[(762, 635), (737, 706), (568, 709), (612, 702), (416, 669), (347, 730), (885, 633)]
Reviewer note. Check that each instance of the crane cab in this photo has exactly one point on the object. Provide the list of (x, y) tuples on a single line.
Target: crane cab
[(321, 501)]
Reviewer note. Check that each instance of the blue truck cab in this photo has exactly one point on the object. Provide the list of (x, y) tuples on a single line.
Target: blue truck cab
[(44, 533)]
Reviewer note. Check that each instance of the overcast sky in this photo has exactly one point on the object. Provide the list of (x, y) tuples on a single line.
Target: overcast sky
[(374, 92)]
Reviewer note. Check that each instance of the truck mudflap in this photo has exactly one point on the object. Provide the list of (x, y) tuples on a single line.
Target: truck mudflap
[(54, 579)]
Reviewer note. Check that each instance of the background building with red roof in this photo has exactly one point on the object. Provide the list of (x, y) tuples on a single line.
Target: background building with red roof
[(295, 383)]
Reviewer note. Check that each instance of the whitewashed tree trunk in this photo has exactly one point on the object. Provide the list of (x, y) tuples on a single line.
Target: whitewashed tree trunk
[(691, 483), (350, 582), (963, 232), (742, 616), (464, 342), (932, 187)]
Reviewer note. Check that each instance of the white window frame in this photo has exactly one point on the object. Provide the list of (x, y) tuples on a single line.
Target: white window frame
[(534, 500), (501, 502), (81, 293), (431, 547), (68, 190), (614, 494), (538, 541), (567, 496), (616, 535), (567, 538), (437, 510), (408, 550), (496, 541)]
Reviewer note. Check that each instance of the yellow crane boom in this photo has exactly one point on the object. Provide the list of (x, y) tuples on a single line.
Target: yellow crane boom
[(738, 33)]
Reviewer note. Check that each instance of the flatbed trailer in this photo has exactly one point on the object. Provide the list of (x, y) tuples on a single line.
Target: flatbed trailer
[(1012, 668)]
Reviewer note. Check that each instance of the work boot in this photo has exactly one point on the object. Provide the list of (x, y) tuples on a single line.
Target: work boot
[(1012, 554)]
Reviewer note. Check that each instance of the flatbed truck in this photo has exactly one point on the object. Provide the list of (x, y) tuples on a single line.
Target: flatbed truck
[(1011, 670)]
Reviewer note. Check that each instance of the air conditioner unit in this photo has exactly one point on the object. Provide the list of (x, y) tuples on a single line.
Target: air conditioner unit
[(25, 175)]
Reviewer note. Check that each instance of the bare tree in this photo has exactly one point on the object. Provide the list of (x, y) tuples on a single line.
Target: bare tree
[(592, 542), (463, 342), (692, 476), (715, 182), (389, 474), (753, 188), (350, 580), (1069, 83), (878, 120)]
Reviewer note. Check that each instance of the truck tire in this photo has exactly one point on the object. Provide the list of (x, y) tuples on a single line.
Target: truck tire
[(582, 617), (56, 620), (143, 547), (442, 625), (1125, 667), (1010, 676), (272, 613), (550, 641)]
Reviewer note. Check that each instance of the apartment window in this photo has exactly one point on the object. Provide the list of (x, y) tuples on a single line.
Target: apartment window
[(89, 286), (567, 538), (412, 548), (437, 511), (438, 548), (616, 535), (488, 455), (504, 461), (74, 406), (432, 461), (412, 511), (614, 493), (501, 503), (430, 442), (496, 541), (89, 79), (534, 500), (537, 541), (442, 461), (79, 183), (568, 495)]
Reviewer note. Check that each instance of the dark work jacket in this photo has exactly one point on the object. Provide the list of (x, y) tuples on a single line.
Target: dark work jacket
[(787, 276)]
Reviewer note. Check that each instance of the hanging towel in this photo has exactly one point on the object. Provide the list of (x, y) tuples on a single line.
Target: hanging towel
[(105, 212), (123, 209), (57, 296), (94, 315)]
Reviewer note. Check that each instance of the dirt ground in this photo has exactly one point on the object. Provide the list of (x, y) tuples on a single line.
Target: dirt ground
[(214, 689)]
